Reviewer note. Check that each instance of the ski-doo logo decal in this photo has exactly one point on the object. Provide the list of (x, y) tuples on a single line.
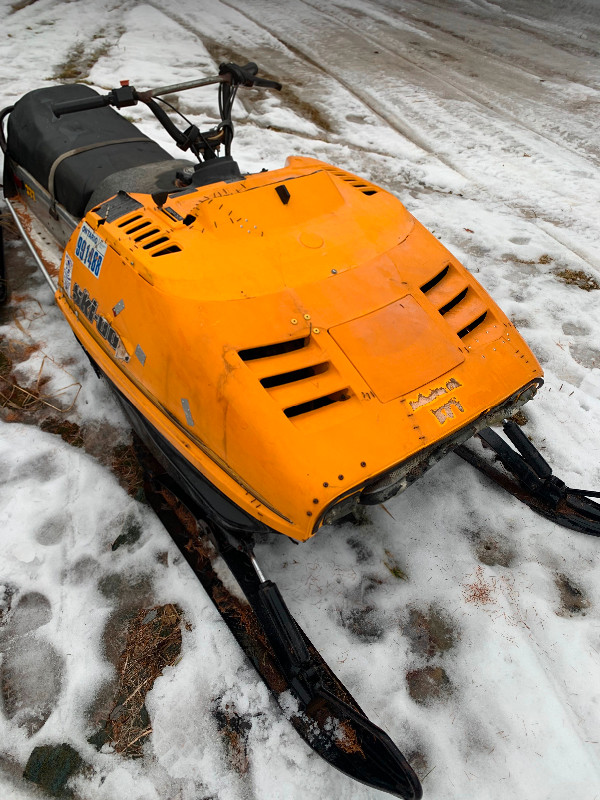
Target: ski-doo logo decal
[(67, 272), (88, 306), (447, 411), (424, 400), (90, 249)]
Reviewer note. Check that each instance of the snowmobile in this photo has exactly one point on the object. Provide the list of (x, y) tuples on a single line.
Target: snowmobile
[(288, 346)]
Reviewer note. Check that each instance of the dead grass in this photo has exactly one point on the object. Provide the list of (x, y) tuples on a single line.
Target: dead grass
[(394, 567), (79, 65), (572, 599), (153, 643), (577, 277), (70, 432), (18, 399), (127, 468)]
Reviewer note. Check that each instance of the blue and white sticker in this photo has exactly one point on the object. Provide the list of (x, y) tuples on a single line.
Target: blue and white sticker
[(90, 249), (67, 272)]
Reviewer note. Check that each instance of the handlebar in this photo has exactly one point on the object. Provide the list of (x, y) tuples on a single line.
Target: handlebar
[(127, 95), (205, 145)]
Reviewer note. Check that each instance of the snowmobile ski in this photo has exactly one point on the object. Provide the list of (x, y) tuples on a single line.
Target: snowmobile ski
[(327, 717), (535, 483)]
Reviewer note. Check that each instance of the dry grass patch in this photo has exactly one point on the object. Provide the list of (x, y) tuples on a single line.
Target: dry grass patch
[(79, 65), (153, 643), (577, 277), (127, 468)]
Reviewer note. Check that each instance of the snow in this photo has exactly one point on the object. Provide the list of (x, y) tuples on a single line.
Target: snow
[(482, 118)]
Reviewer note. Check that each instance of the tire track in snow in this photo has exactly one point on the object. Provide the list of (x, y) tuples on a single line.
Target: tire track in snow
[(324, 136), (514, 204), (385, 115), (474, 97)]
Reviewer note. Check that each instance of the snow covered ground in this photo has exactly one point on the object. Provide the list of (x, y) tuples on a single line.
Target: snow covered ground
[(465, 625)]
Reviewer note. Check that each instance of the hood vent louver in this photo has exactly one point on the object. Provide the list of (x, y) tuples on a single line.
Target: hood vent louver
[(297, 379), (129, 220), (319, 402), (454, 302), (139, 228), (358, 183), (472, 325), (461, 306), (270, 350), (294, 375), (435, 280)]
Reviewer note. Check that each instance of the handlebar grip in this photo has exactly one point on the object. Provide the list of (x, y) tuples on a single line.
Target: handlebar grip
[(84, 104), (267, 84)]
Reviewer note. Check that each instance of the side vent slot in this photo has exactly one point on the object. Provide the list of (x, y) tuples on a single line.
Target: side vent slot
[(435, 280), (294, 375), (145, 235), (269, 350), (454, 302), (156, 242), (353, 180), (319, 402), (137, 228), (472, 325), (130, 220), (167, 251)]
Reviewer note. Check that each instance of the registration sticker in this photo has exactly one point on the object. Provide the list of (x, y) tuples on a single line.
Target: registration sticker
[(67, 272), (90, 249)]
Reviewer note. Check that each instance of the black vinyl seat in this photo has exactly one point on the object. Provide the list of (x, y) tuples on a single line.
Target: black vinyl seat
[(37, 140)]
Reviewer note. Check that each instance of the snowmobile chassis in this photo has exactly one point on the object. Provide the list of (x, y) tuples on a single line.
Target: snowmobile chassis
[(315, 701)]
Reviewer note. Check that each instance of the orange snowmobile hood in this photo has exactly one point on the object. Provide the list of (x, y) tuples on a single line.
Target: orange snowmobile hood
[(296, 335)]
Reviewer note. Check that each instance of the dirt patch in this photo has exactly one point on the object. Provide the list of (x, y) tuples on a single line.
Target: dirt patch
[(431, 632), (153, 643), (70, 432), (577, 277), (6, 598), (419, 762), (429, 685), (363, 623), (494, 551), (23, 4), (520, 418), (234, 729), (572, 599), (79, 64), (290, 97), (362, 550), (9, 229), (586, 356), (130, 534), (573, 329)]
